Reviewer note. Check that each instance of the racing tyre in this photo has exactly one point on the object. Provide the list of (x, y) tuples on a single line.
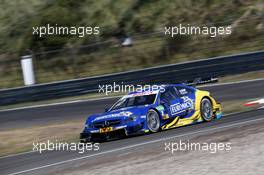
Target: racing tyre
[(153, 121), (206, 109)]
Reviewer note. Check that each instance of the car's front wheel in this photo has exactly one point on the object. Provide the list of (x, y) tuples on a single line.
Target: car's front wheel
[(153, 121), (206, 109)]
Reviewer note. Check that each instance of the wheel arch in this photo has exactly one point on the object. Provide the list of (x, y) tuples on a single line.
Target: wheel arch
[(200, 95), (158, 112)]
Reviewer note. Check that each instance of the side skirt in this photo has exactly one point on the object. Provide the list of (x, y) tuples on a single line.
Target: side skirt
[(177, 122)]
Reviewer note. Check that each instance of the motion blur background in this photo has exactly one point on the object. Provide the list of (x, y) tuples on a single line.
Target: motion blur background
[(68, 57), (131, 37)]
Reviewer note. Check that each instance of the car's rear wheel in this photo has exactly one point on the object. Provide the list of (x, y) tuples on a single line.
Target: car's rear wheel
[(206, 109), (153, 121)]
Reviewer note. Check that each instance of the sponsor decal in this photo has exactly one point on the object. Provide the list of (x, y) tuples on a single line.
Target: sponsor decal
[(160, 108), (141, 94), (142, 116), (120, 114), (183, 91), (180, 107)]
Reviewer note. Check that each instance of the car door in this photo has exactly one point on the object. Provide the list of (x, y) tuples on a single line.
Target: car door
[(187, 100), (171, 101)]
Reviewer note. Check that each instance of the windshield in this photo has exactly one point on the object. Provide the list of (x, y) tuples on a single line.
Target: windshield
[(134, 101)]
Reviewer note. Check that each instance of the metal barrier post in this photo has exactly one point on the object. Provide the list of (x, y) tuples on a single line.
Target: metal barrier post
[(28, 70)]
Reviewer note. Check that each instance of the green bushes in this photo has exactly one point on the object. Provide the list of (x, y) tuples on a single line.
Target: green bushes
[(118, 19)]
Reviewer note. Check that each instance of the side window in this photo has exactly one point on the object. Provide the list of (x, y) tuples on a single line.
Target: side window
[(120, 104), (176, 92), (131, 101), (168, 95)]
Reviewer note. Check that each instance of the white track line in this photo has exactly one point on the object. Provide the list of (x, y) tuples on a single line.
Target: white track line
[(136, 145), (18, 154), (59, 103), (112, 97), (233, 82)]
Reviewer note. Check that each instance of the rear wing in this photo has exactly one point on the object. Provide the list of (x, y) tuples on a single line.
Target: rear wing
[(199, 81)]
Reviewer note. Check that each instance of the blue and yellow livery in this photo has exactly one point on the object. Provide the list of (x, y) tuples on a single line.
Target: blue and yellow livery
[(152, 110)]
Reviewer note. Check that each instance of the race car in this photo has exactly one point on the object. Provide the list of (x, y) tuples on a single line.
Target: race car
[(152, 110)]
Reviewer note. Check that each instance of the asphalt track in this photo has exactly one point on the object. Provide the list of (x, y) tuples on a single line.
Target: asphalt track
[(80, 110), (50, 162)]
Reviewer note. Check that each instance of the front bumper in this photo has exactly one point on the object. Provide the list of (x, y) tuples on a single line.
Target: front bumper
[(97, 137), (92, 135)]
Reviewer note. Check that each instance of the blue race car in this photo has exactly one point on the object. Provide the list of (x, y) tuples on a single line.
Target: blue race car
[(165, 107)]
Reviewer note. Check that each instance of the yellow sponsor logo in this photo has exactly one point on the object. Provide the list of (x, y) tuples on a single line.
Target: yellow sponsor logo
[(107, 129)]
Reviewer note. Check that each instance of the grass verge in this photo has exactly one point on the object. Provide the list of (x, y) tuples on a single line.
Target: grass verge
[(22, 139)]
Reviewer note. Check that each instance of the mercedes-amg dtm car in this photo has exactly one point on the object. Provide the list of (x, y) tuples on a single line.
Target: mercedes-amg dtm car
[(166, 107)]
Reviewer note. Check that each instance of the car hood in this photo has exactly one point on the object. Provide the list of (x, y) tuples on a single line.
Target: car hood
[(119, 114)]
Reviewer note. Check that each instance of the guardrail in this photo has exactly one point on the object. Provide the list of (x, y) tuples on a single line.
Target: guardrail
[(173, 73)]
